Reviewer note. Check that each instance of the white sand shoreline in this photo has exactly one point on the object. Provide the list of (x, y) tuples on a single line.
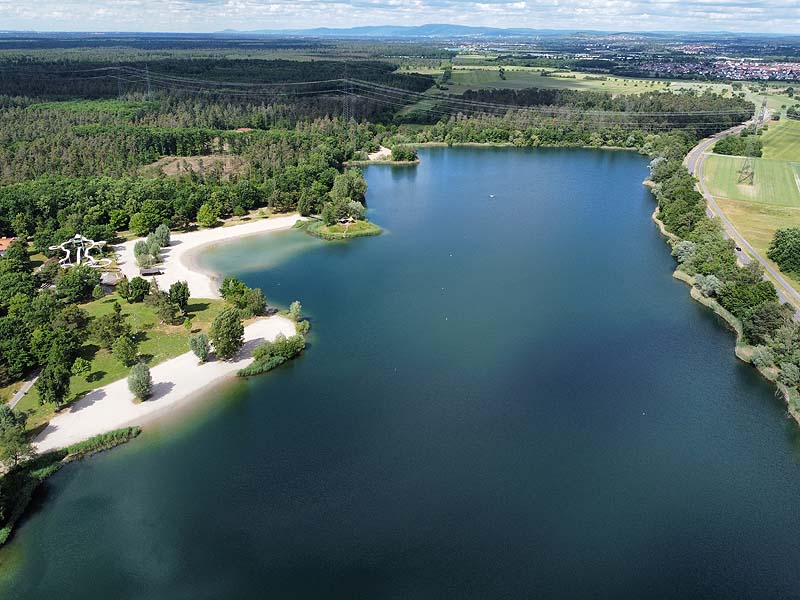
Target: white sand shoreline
[(180, 258), (179, 381), (176, 382)]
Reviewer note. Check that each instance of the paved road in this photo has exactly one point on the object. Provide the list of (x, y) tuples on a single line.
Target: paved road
[(23, 390), (695, 161)]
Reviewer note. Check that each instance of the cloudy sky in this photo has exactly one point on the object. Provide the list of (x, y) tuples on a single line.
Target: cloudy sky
[(777, 16)]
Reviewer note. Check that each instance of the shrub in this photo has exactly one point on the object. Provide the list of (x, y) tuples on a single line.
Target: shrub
[(81, 366), (743, 298), (785, 249), (98, 292), (303, 327), (295, 309), (77, 284), (766, 320), (138, 288), (140, 248), (709, 285), (684, 251), (762, 357), (154, 247), (162, 236), (199, 344), (789, 375), (404, 153), (254, 302), (124, 350), (179, 294), (107, 328), (281, 346), (140, 383), (250, 301), (123, 289), (227, 334), (207, 215), (273, 354), (144, 260), (53, 382)]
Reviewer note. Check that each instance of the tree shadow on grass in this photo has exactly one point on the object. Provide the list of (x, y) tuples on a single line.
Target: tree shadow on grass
[(95, 376), (89, 351), (196, 307), (146, 358)]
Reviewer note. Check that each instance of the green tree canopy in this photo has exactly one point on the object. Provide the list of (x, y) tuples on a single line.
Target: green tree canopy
[(227, 334)]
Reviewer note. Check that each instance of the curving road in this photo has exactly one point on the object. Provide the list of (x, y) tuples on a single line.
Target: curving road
[(695, 161)]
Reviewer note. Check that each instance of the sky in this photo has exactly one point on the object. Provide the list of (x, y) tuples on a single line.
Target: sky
[(770, 16)]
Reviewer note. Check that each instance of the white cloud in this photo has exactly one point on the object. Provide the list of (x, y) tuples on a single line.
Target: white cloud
[(214, 15)]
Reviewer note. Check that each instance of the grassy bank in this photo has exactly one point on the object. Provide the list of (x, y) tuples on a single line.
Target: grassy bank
[(339, 231), (157, 342), (19, 484)]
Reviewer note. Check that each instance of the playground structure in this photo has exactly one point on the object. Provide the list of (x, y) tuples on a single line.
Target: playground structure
[(77, 252)]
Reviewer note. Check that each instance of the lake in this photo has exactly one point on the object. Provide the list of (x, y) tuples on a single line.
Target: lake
[(506, 395)]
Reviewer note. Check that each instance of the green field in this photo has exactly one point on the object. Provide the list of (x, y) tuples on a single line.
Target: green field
[(478, 77), (782, 141), (157, 342), (773, 201), (775, 181)]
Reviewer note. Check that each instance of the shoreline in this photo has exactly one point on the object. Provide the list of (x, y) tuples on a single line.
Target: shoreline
[(182, 380), (180, 259), (176, 383), (741, 349), (512, 145)]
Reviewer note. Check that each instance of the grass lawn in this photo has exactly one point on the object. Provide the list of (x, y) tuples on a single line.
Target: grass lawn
[(775, 181), (782, 141), (758, 222), (157, 343), (339, 231)]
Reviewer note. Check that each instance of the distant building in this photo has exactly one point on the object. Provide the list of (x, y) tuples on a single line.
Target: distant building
[(5, 242)]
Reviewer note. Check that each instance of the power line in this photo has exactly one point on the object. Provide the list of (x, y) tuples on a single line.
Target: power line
[(444, 105)]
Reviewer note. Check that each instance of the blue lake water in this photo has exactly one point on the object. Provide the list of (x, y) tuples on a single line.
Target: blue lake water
[(506, 395)]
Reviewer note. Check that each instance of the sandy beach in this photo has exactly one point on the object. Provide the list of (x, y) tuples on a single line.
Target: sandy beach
[(176, 382), (181, 380), (382, 153), (179, 259)]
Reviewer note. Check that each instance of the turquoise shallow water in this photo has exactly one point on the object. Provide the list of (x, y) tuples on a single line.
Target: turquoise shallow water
[(503, 397)]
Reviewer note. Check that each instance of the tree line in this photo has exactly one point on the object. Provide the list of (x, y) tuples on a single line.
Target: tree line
[(703, 252)]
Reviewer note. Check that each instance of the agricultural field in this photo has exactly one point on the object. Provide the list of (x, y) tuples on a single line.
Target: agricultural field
[(465, 78), (775, 181), (782, 141), (473, 74), (772, 202), (482, 76)]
